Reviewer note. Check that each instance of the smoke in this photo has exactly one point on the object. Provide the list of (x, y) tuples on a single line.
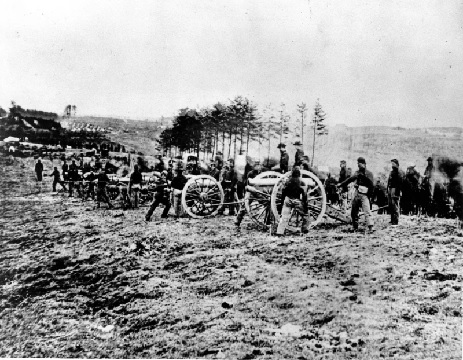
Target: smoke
[(449, 167), (452, 170)]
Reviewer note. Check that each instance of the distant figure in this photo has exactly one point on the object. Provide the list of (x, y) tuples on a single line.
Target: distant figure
[(429, 171), (343, 176), (90, 177), (101, 194), (135, 184), (65, 170), (394, 188), (363, 188), (57, 179), (284, 158), (299, 154), (39, 170)]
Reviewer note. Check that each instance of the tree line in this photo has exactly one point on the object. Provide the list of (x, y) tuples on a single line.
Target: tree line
[(231, 128)]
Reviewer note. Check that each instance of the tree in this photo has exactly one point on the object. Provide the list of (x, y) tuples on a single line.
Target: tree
[(269, 127), (302, 110), (318, 124), (284, 122)]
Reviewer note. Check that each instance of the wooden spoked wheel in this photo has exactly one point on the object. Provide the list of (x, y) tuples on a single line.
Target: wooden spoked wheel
[(316, 197), (258, 198), (202, 196)]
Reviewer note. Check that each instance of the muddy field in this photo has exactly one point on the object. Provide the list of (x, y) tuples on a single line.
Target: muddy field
[(83, 282)]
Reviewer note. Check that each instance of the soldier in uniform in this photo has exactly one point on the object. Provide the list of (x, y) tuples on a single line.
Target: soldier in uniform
[(394, 188), (161, 197), (57, 179), (294, 197), (342, 177), (39, 170), (299, 154), (284, 158), (229, 185), (101, 194), (136, 179), (65, 169), (250, 175), (379, 196), (177, 184), (363, 179)]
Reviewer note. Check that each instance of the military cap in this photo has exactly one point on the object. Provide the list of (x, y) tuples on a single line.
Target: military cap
[(361, 160), (297, 143), (343, 161), (395, 161), (429, 158), (281, 145)]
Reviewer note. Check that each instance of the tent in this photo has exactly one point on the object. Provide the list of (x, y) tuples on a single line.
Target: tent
[(11, 139)]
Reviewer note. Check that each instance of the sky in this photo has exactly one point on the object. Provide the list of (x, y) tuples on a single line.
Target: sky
[(384, 62)]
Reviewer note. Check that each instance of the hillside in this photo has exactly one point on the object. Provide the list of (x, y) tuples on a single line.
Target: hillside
[(380, 144)]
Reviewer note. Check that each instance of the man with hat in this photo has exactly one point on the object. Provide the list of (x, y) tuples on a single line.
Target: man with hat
[(363, 189), (284, 158), (394, 188), (428, 172), (299, 154)]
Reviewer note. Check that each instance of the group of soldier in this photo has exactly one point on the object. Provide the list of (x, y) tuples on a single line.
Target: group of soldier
[(364, 189), (171, 180)]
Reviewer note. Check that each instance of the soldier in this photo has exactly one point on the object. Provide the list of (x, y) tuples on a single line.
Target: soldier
[(90, 177), (363, 188), (229, 185), (342, 177), (394, 188), (250, 175), (294, 197), (65, 169), (284, 158), (379, 196), (161, 197), (159, 167), (101, 194), (73, 177), (136, 179), (39, 170), (177, 184), (299, 154), (57, 179), (330, 187), (429, 171)]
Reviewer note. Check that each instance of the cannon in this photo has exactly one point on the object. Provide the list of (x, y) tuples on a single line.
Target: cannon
[(203, 196)]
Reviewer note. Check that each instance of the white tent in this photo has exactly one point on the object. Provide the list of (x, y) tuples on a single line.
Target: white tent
[(11, 139)]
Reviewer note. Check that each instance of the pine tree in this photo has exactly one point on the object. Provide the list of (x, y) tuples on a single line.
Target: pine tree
[(319, 126)]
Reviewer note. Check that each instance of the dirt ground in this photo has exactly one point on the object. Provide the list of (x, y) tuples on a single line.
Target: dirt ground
[(82, 282)]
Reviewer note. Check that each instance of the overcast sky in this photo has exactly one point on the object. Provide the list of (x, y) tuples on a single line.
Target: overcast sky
[(369, 62)]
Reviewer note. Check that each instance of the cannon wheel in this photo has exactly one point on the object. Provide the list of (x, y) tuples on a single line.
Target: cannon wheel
[(202, 196), (257, 199), (316, 197)]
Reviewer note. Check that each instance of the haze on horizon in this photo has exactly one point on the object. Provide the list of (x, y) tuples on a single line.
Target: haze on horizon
[(370, 63)]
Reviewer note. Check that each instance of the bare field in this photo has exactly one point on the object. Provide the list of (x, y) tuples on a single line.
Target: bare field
[(83, 282)]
